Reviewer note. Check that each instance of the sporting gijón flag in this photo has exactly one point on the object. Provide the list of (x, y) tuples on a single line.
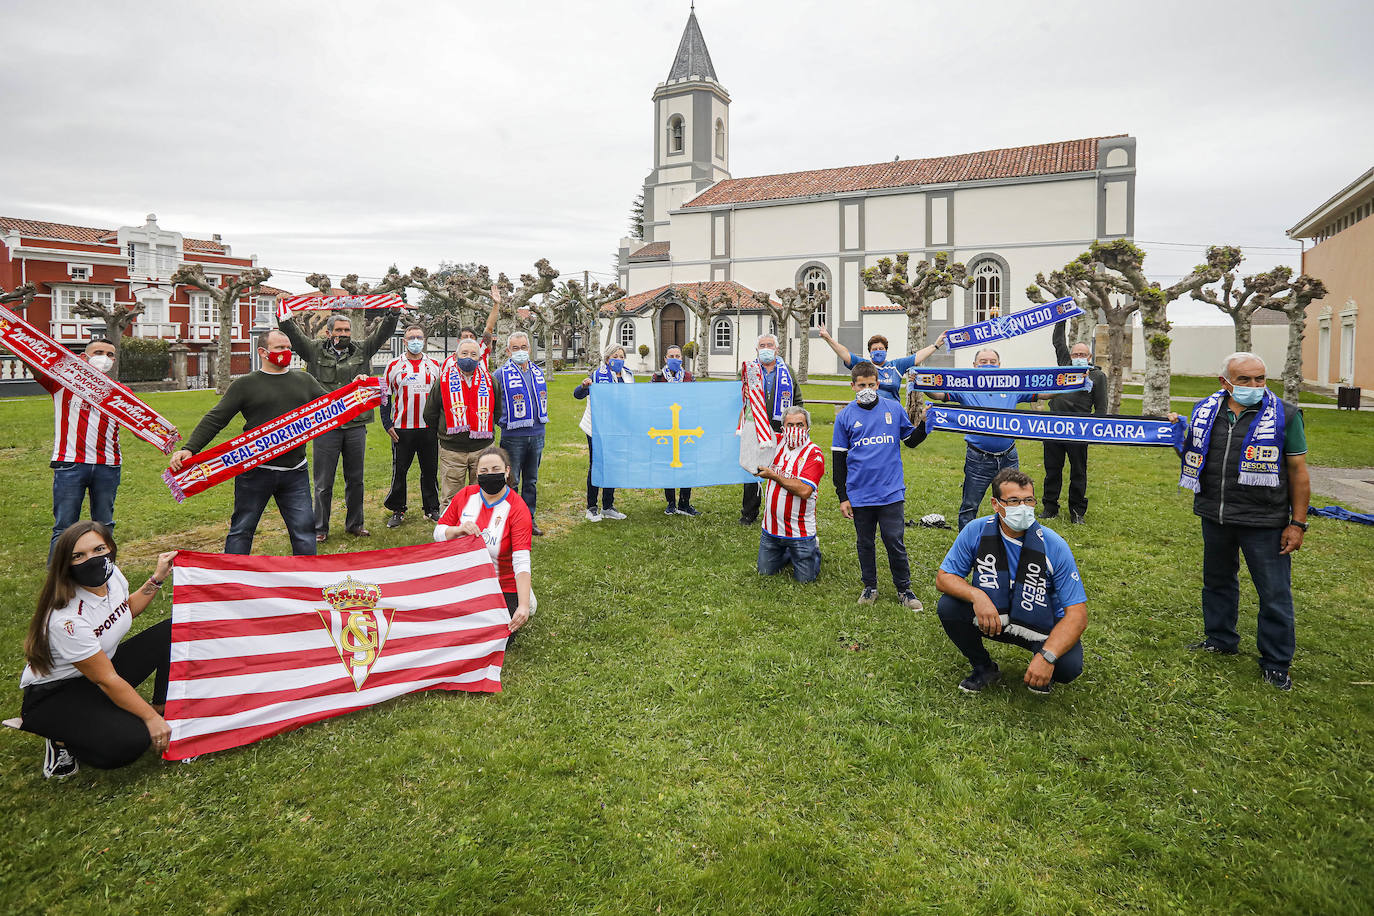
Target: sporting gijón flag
[(264, 644)]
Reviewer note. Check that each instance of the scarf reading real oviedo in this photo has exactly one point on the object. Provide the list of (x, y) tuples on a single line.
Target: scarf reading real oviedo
[(53, 361), (263, 443), (1004, 326)]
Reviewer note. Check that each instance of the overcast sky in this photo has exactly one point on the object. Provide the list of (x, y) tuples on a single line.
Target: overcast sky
[(346, 136)]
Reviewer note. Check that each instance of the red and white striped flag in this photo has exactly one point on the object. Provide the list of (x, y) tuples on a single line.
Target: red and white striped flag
[(317, 303), (263, 644)]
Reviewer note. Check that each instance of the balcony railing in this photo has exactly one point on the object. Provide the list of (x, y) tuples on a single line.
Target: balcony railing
[(76, 330), (201, 331), (165, 330), (14, 369), (153, 267)]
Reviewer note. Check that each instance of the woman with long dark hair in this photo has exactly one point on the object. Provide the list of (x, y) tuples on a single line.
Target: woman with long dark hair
[(79, 685)]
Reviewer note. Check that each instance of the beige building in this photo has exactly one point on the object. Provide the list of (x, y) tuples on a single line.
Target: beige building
[(1338, 348)]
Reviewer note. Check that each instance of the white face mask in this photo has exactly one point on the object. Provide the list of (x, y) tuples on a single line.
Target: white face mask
[(1019, 518), (1081, 360), (415, 345), (867, 397), (520, 356), (102, 363)]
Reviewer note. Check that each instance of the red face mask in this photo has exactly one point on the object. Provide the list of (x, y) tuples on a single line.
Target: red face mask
[(281, 358)]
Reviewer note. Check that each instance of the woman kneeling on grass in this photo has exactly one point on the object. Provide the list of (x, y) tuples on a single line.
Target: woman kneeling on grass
[(79, 683), (496, 513)]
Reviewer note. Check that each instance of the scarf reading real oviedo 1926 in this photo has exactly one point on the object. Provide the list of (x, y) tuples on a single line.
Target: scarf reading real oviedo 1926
[(263, 443), (1260, 452), (1034, 381), (53, 361)]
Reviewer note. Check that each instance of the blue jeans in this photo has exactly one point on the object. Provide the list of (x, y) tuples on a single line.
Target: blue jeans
[(70, 483), (957, 617), (291, 489), (803, 553), (525, 453), (1272, 574), (979, 469)]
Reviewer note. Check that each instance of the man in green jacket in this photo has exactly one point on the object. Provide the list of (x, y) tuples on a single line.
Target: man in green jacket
[(334, 362)]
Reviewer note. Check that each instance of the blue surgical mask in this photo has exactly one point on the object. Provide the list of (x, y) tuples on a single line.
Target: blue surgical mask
[(1082, 360), (878, 356), (615, 365), (520, 356), (1019, 518), (415, 345), (1246, 396), (467, 363), (766, 355), (674, 364)]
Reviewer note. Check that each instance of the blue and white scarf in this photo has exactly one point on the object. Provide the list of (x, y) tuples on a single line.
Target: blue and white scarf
[(1024, 602), (1261, 451), (782, 388), (1100, 430), (603, 373), (1004, 326), (517, 400), (1035, 381)]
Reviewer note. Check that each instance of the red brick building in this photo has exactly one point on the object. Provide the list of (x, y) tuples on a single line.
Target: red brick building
[(129, 264)]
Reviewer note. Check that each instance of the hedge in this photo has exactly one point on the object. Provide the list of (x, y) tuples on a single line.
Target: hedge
[(143, 359)]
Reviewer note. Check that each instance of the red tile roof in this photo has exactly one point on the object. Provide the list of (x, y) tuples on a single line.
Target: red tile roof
[(1018, 162), (272, 291), (653, 251), (42, 229), (742, 295)]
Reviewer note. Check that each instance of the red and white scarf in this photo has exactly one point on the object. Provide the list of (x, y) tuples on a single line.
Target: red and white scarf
[(467, 405), (755, 404), (53, 361), (275, 437)]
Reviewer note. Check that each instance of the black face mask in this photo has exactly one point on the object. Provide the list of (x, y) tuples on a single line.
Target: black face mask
[(491, 484), (341, 343), (94, 572)]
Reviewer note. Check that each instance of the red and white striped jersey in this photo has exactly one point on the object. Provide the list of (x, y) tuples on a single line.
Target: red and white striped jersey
[(785, 515), (407, 384), (506, 528), (81, 433)]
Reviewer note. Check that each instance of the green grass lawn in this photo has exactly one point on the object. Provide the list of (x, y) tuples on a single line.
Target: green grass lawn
[(679, 736), (1199, 386)]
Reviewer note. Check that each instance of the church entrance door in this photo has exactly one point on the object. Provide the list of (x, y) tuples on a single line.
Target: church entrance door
[(672, 327)]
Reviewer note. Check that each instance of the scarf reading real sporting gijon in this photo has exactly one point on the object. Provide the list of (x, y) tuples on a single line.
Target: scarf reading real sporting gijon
[(53, 361), (1033, 381), (1261, 451), (275, 437), (1004, 326), (467, 405)]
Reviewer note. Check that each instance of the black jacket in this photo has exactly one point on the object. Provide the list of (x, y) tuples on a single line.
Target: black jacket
[(1080, 402), (1222, 498)]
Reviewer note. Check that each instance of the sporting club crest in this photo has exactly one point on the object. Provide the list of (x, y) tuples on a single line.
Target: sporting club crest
[(356, 625)]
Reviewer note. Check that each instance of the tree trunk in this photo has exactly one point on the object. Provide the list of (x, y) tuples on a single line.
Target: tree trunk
[(1116, 358), (1292, 364), (917, 317), (653, 328), (804, 347), (703, 338), (1155, 324), (1244, 335), (223, 362)]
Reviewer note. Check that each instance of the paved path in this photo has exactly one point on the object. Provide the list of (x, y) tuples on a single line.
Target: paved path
[(1352, 486)]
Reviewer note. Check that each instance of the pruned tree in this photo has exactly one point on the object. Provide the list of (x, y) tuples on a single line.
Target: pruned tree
[(916, 288), (454, 295), (1082, 328), (226, 299), (392, 282), (581, 308), (706, 309), (788, 307), (117, 316), (1241, 302), (514, 300), (1301, 293), (22, 294), (802, 303)]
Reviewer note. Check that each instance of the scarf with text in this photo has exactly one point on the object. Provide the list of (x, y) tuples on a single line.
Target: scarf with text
[(1023, 602), (51, 360), (518, 410), (467, 405), (1260, 452), (275, 437), (316, 303), (1004, 326), (1103, 430), (1034, 381)]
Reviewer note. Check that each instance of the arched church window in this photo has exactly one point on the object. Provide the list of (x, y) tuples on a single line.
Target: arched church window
[(626, 337), (814, 280), (720, 139), (987, 289), (722, 334), (675, 134)]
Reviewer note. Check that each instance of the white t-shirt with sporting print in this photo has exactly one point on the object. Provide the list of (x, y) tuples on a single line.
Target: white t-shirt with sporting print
[(86, 625)]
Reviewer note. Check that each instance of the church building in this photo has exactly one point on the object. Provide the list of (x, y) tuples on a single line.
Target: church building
[(1006, 213)]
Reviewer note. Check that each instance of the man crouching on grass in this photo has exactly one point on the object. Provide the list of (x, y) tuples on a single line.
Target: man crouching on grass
[(1026, 591)]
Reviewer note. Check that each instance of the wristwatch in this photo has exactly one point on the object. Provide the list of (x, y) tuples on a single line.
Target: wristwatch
[(1048, 656), (1297, 524)]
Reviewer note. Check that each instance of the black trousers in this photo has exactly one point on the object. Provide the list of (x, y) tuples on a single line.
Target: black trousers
[(410, 444), (351, 444), (683, 497), (607, 493), (889, 523), (753, 498), (1055, 453), (78, 714)]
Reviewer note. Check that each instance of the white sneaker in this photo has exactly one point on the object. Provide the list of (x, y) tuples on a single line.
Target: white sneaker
[(593, 515), (58, 762), (615, 514)]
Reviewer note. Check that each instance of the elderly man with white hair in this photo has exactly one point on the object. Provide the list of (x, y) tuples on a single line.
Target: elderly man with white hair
[(463, 411), (780, 392), (523, 393), (1244, 457)]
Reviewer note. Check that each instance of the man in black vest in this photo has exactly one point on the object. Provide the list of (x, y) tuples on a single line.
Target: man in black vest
[(1245, 458), (1090, 400)]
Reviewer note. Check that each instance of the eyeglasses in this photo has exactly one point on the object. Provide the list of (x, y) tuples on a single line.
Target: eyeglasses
[(1016, 501)]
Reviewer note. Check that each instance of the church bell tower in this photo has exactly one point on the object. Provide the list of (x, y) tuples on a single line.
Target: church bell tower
[(691, 132)]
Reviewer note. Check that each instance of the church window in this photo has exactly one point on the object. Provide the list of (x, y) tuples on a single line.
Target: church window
[(720, 139), (987, 289), (723, 335), (675, 134), (816, 280), (626, 335)]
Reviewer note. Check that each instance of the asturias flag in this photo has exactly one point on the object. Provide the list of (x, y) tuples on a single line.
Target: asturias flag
[(666, 435)]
